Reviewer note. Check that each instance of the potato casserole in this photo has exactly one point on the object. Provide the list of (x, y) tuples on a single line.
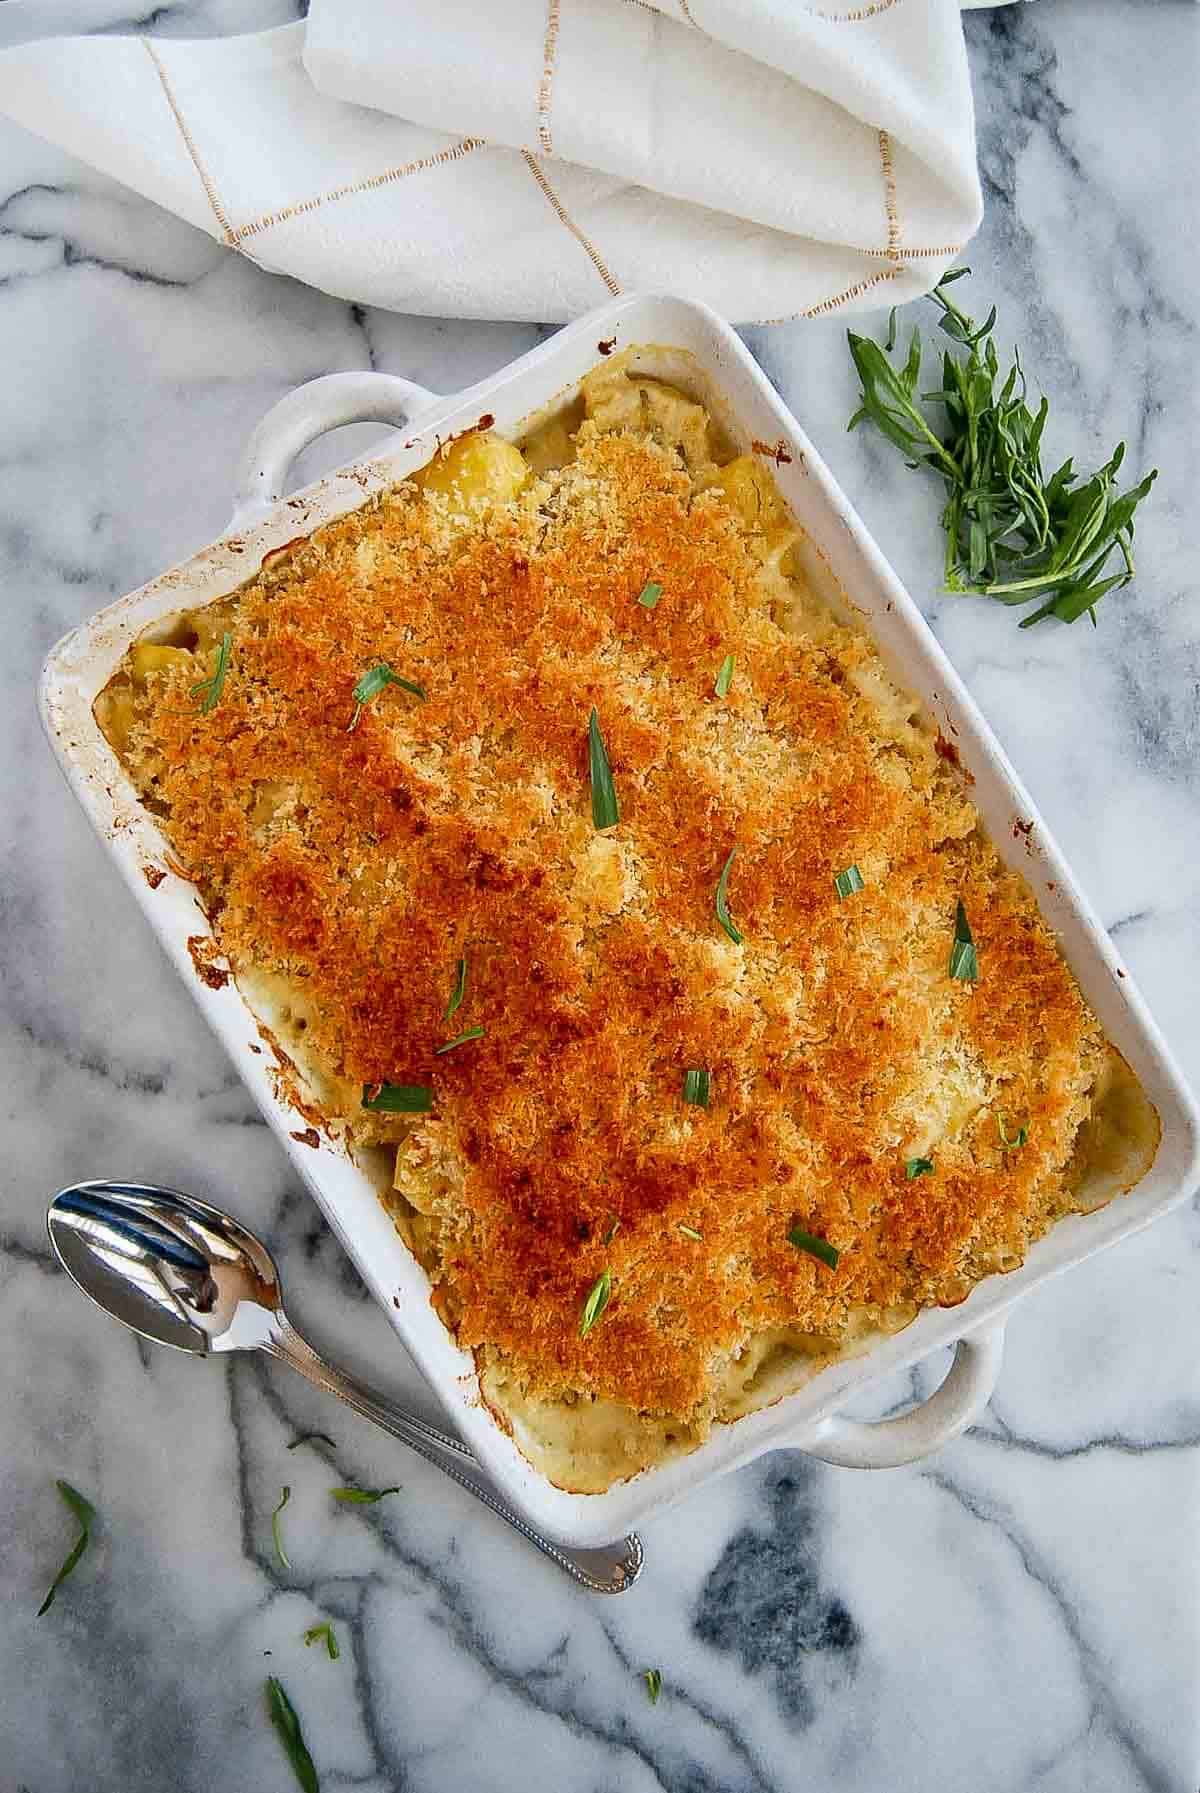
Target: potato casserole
[(585, 857)]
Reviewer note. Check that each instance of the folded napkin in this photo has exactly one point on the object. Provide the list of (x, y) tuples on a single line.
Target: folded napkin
[(524, 160)]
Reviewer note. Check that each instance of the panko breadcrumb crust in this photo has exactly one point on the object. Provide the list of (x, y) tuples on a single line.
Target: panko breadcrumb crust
[(361, 864)]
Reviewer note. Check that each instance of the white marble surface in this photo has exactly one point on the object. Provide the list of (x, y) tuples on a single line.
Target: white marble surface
[(1021, 1613)]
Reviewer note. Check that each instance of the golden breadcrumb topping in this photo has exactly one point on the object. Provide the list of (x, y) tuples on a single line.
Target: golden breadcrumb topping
[(361, 864)]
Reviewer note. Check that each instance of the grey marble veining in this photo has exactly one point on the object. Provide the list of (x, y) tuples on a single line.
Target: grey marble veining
[(1021, 1613)]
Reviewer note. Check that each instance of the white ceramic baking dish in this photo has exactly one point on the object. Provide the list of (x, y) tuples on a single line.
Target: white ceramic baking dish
[(731, 382)]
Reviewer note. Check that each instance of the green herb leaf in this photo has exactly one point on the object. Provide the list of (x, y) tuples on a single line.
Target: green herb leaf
[(459, 990), (696, 1088), (723, 915), (653, 1679), (377, 679), (397, 1098), (847, 882), (213, 687), (597, 1301), (817, 1248), (612, 1230), (361, 1497), (287, 1727), (85, 1512), (963, 961), (725, 675), (472, 1033), (649, 595), (307, 1438), (889, 400), (1011, 533), (280, 1552), (1011, 1142), (690, 1232), (606, 811), (325, 1632), (917, 1167)]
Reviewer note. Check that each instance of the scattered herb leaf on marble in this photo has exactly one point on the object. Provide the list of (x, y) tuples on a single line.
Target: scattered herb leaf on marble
[(308, 1437), (1011, 533), (653, 1679), (85, 1512), (280, 1552), (361, 1497), (287, 1728), (324, 1633)]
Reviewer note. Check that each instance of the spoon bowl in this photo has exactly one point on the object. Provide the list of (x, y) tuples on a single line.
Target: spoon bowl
[(168, 1266), (182, 1273)]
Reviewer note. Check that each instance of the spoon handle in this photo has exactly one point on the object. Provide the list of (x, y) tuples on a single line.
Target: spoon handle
[(606, 1570)]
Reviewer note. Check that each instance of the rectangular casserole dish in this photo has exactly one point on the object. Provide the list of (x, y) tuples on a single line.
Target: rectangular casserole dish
[(734, 388)]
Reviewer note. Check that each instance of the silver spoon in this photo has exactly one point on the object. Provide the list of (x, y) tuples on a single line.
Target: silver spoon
[(184, 1274)]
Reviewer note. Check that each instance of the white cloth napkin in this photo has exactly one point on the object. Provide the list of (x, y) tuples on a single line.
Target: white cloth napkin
[(522, 160)]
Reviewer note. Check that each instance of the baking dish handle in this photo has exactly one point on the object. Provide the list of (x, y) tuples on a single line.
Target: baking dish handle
[(306, 413), (956, 1405)]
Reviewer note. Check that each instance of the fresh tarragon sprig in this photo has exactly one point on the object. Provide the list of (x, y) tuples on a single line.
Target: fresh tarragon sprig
[(1011, 533)]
